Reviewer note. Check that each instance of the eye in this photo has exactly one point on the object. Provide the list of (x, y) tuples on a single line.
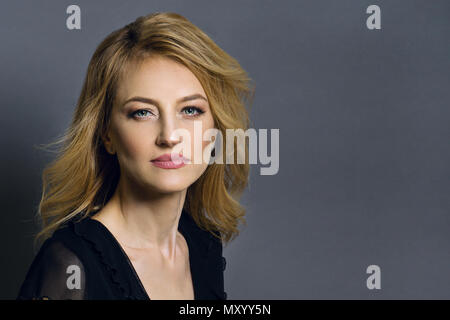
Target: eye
[(192, 111), (140, 113)]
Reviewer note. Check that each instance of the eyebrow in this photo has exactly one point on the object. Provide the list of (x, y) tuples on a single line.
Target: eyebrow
[(155, 102)]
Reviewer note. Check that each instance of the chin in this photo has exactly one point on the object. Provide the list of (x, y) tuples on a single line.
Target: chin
[(170, 185), (165, 189)]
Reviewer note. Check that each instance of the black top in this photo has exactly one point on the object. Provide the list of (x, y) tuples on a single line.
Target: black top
[(83, 260)]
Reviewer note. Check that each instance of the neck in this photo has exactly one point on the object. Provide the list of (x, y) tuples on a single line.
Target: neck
[(143, 221)]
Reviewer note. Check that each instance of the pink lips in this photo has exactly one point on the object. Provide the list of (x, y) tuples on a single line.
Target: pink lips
[(165, 162)]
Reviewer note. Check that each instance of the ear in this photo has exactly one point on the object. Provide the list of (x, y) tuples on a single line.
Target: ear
[(107, 142)]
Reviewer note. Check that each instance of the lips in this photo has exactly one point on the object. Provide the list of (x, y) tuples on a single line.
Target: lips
[(165, 161), (168, 157)]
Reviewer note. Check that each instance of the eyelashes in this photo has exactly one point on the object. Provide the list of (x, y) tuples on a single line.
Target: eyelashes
[(196, 109), (193, 112), (135, 113)]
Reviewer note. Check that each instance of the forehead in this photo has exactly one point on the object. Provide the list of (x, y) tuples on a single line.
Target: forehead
[(157, 77)]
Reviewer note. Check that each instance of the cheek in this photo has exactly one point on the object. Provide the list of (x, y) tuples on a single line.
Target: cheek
[(201, 139), (208, 140), (129, 143), (207, 124)]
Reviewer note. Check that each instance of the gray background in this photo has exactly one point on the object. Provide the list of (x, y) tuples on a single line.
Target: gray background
[(364, 137)]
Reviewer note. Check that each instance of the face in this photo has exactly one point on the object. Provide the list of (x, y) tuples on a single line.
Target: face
[(154, 99)]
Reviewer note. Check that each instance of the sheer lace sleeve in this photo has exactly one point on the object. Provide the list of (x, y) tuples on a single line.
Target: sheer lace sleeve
[(55, 274)]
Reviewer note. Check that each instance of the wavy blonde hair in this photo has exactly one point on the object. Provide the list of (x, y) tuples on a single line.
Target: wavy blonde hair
[(83, 176)]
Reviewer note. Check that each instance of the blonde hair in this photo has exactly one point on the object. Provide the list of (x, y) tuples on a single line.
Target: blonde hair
[(83, 176)]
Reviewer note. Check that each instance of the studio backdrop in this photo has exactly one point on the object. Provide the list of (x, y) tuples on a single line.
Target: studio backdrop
[(349, 196)]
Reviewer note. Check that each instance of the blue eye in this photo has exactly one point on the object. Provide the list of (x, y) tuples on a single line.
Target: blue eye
[(190, 111), (137, 112), (193, 111)]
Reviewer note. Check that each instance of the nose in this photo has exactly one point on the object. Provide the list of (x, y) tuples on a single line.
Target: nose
[(167, 136)]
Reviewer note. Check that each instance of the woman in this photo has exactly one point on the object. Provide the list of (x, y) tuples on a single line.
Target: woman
[(123, 219)]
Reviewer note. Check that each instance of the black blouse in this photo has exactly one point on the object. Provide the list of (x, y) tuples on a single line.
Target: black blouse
[(105, 271)]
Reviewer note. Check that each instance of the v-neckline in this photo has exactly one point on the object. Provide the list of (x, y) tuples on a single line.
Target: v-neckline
[(130, 264)]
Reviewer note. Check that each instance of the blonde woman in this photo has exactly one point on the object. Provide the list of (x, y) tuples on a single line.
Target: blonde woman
[(121, 218)]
